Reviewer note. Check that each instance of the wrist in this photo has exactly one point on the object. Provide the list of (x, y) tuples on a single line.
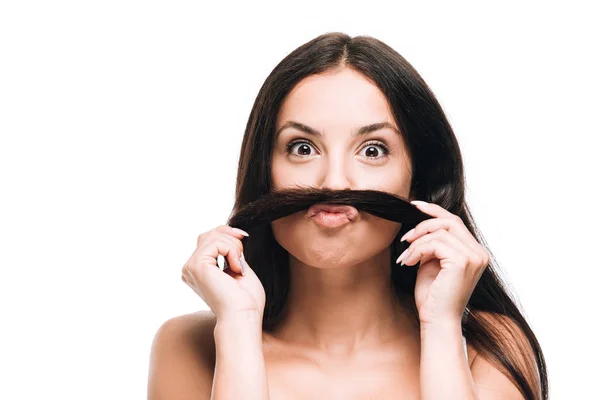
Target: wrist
[(441, 327), (247, 322)]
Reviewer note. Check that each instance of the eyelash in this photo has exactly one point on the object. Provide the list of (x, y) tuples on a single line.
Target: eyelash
[(386, 150)]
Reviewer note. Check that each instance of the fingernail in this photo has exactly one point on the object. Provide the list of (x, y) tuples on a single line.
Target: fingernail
[(240, 231), (419, 203), (407, 235), (405, 258), (401, 258), (242, 263)]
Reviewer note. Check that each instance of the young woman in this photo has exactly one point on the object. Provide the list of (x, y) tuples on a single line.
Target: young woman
[(320, 308)]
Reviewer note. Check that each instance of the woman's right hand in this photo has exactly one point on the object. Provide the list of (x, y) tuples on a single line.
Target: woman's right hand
[(227, 292)]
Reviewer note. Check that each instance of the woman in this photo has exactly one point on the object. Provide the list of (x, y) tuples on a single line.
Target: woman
[(311, 309)]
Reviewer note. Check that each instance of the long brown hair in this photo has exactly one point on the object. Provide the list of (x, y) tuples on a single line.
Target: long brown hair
[(438, 177)]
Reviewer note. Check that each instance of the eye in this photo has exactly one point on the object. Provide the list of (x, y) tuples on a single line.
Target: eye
[(304, 148), (375, 150)]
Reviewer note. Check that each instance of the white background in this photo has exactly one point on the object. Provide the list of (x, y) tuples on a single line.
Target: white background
[(121, 123)]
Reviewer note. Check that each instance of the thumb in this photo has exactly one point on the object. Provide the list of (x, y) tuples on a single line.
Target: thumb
[(247, 270)]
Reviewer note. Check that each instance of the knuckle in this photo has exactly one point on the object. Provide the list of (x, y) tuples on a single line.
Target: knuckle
[(440, 233), (239, 245), (213, 233), (187, 269), (486, 258), (203, 237), (231, 244), (208, 237), (222, 229), (224, 245)]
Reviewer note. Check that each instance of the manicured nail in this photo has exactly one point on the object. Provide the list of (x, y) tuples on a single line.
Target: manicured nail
[(401, 258), (407, 235), (241, 232), (242, 262), (405, 258), (419, 203)]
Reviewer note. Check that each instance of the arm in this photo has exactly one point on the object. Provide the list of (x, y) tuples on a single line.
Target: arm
[(445, 370), (182, 358), (194, 357), (240, 371), (451, 263)]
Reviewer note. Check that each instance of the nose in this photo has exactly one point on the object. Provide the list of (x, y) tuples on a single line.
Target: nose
[(335, 175)]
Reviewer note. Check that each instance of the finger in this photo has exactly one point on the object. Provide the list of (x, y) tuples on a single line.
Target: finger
[(237, 243), (439, 250), (246, 267), (232, 231), (235, 275), (449, 239), (432, 209), (235, 232), (451, 225), (202, 270), (215, 234), (188, 280), (221, 245), (239, 266)]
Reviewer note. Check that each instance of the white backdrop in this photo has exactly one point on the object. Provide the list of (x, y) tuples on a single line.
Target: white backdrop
[(121, 123)]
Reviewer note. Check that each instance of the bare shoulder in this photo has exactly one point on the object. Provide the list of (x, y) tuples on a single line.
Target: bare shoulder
[(487, 374), (182, 358)]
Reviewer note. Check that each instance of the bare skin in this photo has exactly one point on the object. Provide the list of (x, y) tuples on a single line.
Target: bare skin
[(293, 372), (344, 336)]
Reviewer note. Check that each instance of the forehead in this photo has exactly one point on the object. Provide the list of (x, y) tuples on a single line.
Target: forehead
[(340, 99)]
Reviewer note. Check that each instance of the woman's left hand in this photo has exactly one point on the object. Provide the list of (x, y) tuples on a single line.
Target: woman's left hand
[(452, 261)]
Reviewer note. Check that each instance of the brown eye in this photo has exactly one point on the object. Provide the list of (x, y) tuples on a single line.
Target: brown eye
[(372, 151), (375, 150), (299, 149)]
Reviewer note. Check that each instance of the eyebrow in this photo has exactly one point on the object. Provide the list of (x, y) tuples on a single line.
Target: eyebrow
[(361, 131)]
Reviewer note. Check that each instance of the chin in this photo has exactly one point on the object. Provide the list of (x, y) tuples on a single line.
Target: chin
[(339, 247)]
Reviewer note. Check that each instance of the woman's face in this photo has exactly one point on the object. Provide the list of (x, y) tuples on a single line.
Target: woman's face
[(334, 154)]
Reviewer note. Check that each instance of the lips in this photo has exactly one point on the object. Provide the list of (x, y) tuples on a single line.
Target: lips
[(351, 212)]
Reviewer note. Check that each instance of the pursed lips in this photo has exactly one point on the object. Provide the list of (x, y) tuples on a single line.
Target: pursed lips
[(351, 212)]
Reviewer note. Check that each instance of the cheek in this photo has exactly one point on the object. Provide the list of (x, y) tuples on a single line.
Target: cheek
[(375, 234), (385, 179), (289, 175)]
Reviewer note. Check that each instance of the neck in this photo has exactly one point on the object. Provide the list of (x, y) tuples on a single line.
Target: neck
[(346, 309)]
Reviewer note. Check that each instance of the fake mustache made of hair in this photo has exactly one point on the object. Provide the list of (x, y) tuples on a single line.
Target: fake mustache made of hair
[(283, 202)]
